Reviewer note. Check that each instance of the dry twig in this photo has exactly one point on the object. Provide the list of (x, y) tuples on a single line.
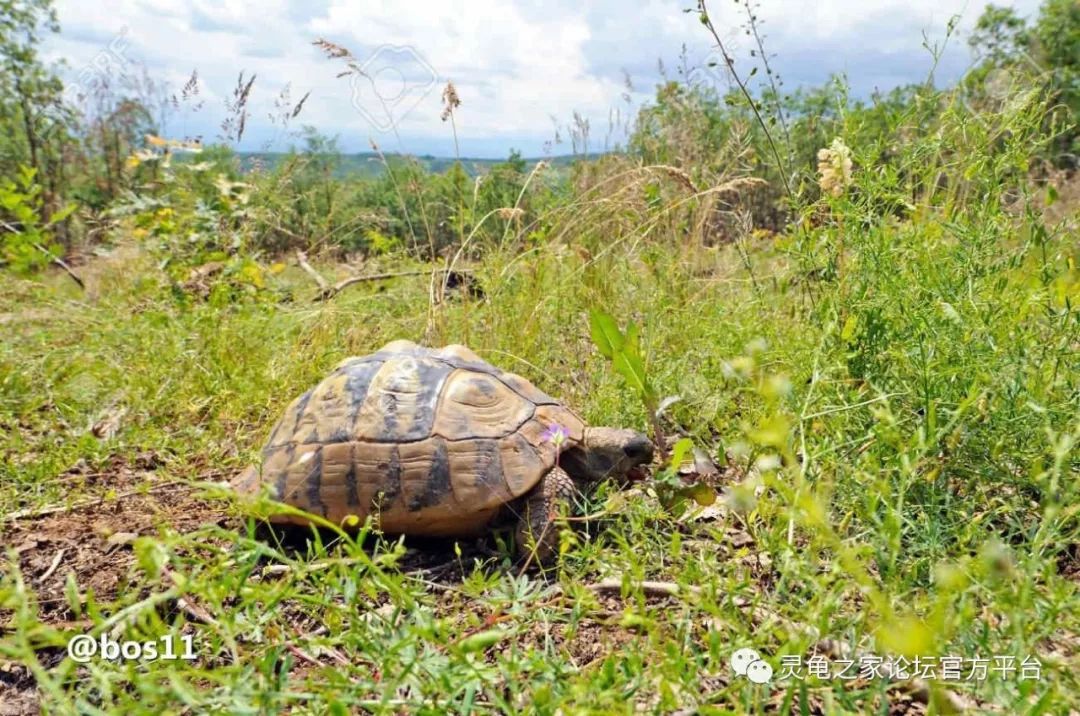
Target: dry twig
[(653, 589), (52, 567), (190, 606), (62, 264), (54, 259), (301, 258), (331, 291)]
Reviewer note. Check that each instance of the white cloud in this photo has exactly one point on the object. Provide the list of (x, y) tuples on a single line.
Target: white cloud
[(515, 63)]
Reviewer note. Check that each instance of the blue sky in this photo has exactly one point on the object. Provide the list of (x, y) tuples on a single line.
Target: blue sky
[(522, 68)]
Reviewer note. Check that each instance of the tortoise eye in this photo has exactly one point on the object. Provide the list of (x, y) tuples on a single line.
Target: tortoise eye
[(638, 450)]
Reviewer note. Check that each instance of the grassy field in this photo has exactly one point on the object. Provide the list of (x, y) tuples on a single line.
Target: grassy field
[(862, 316), (894, 438)]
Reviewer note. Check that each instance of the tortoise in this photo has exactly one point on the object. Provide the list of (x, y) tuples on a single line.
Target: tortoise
[(436, 443)]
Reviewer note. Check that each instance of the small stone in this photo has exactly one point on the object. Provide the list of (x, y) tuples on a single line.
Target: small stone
[(121, 538), (740, 539)]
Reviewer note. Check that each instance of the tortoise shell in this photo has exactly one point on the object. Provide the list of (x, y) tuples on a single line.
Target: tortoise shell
[(429, 442)]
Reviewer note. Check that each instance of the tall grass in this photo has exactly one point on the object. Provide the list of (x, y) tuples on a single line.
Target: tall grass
[(890, 387)]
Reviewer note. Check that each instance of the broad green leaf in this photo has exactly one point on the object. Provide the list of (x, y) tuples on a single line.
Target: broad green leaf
[(605, 333), (631, 368), (63, 213), (1051, 194), (633, 339), (701, 493), (680, 451)]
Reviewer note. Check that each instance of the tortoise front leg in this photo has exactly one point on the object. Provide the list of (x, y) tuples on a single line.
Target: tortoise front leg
[(537, 534)]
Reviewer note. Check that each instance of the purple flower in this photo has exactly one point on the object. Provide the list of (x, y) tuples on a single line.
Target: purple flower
[(555, 434)]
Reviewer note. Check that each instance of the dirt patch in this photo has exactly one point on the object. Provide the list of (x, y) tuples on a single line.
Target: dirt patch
[(91, 540), (18, 696), (91, 537)]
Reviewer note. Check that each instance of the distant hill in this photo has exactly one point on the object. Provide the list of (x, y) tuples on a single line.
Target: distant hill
[(370, 164)]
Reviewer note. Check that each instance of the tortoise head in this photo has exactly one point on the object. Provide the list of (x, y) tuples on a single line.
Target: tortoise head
[(607, 452)]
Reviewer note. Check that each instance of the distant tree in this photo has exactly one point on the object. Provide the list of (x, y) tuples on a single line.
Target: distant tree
[(1049, 47), (999, 35), (502, 184), (31, 105), (515, 161), (1055, 40)]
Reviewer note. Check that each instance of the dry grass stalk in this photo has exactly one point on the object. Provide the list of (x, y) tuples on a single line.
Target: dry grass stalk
[(451, 101), (233, 125), (510, 213)]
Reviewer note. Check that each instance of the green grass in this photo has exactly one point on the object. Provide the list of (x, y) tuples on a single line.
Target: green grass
[(890, 386), (925, 498)]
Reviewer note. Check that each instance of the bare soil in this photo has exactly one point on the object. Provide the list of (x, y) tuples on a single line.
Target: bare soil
[(91, 540)]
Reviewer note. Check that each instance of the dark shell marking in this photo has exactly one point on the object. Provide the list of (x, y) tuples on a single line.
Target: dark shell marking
[(428, 441)]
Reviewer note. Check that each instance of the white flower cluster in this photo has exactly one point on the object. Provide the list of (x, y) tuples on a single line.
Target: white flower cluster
[(834, 167)]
